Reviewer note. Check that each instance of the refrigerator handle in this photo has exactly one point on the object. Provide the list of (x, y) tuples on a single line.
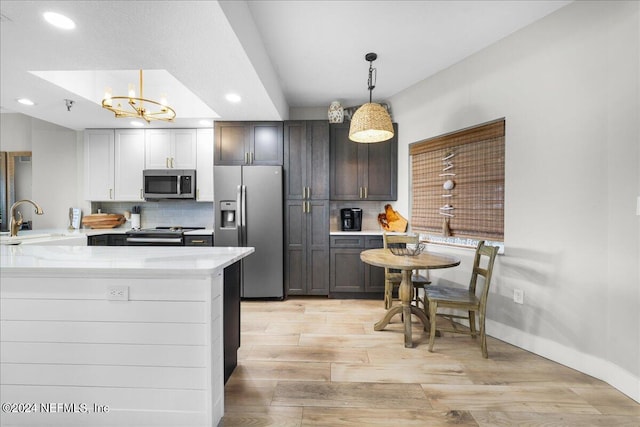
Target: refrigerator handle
[(239, 214), (243, 214)]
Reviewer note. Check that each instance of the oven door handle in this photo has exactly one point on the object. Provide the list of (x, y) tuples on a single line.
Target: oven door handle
[(154, 240)]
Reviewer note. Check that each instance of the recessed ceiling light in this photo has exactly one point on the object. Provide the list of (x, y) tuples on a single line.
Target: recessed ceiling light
[(59, 21), (25, 101), (232, 97), (136, 123)]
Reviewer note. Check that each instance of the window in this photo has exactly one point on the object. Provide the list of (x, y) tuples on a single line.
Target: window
[(458, 183)]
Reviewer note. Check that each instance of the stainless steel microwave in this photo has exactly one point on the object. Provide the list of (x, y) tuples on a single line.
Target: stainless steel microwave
[(169, 183)]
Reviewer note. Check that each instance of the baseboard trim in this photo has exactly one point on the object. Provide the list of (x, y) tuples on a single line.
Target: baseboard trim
[(596, 367)]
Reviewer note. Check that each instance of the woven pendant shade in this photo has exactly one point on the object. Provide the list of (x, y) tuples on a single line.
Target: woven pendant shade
[(371, 123)]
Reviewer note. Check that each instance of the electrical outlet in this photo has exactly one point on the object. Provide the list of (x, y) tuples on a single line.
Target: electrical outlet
[(118, 293), (518, 296)]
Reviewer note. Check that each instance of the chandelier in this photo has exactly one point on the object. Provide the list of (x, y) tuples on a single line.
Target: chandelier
[(371, 122), (138, 107)]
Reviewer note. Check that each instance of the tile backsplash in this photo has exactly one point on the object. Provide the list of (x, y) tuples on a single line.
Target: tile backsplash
[(200, 214), (186, 213), (370, 211)]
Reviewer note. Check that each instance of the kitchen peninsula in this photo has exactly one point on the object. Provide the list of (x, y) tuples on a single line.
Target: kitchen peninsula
[(113, 335)]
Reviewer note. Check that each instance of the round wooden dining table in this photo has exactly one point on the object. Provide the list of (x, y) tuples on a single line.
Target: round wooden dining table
[(406, 263)]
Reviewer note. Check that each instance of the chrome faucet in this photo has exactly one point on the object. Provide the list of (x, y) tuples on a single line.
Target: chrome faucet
[(16, 223)]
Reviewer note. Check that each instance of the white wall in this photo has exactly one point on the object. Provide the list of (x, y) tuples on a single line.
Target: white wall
[(15, 132), (568, 88), (54, 165)]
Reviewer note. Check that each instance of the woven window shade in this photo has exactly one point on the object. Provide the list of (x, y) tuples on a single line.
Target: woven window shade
[(478, 196)]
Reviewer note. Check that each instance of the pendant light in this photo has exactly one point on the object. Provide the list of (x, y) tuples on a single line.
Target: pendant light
[(371, 122)]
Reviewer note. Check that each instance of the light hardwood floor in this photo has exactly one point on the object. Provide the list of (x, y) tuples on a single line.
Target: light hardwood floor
[(318, 362)]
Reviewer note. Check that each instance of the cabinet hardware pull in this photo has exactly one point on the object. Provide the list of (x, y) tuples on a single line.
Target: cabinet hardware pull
[(304, 207), (198, 194), (251, 158), (166, 162), (308, 192), (197, 241), (366, 192), (246, 158), (308, 207), (360, 192), (141, 196), (172, 163), (111, 193)]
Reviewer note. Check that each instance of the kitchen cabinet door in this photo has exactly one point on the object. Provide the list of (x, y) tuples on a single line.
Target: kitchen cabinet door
[(157, 148), (204, 166), (346, 156), (347, 271), (129, 164), (306, 160), (373, 276), (183, 148), (99, 156), (307, 247), (170, 149), (248, 143), (349, 275), (363, 171), (266, 143), (317, 247), (381, 169), (231, 143)]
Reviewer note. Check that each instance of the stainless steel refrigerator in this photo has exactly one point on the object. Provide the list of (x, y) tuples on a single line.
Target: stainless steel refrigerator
[(249, 212)]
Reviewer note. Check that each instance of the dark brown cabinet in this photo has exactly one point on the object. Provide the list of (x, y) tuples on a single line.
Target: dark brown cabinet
[(107, 240), (363, 171), (350, 277), (306, 167), (231, 318), (248, 143), (306, 152), (198, 240), (307, 247)]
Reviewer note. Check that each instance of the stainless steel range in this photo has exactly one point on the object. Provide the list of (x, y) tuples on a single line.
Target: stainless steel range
[(159, 236)]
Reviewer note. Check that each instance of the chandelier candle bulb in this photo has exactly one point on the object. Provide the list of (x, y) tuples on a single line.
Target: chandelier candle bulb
[(107, 97), (139, 107)]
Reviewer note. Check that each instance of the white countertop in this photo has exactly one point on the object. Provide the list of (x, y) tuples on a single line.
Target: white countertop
[(37, 260), (377, 232), (66, 236)]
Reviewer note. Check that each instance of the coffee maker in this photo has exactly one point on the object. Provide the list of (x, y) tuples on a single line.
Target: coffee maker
[(351, 219)]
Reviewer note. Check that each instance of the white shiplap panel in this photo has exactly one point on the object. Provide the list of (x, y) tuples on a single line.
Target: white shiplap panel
[(127, 406), (104, 332), (104, 354), (103, 376), (101, 310), (96, 288), (112, 419)]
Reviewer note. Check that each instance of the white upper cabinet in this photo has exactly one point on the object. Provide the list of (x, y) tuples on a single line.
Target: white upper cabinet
[(204, 169), (129, 164), (99, 159), (170, 148), (114, 160)]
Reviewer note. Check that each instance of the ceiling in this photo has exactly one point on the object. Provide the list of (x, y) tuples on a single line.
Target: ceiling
[(274, 54)]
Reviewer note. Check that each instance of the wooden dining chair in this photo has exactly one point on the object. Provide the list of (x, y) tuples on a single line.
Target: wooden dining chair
[(472, 300), (392, 278)]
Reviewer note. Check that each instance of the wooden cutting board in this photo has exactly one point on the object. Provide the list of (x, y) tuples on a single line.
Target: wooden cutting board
[(103, 220)]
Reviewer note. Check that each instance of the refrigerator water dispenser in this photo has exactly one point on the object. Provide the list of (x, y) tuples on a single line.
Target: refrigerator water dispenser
[(228, 213)]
